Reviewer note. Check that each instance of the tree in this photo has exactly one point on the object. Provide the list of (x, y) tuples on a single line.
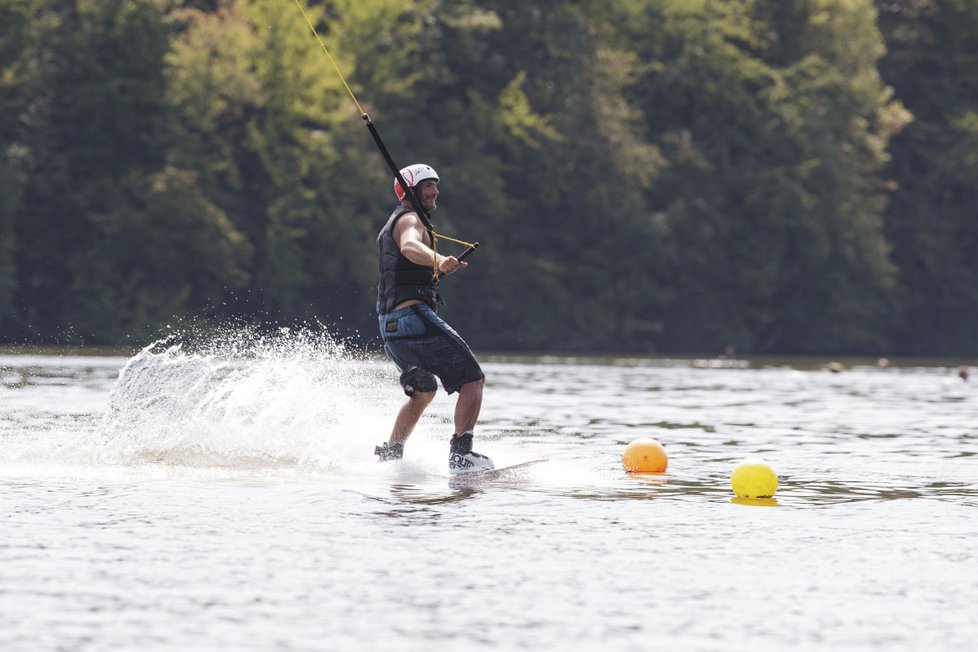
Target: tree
[(14, 21), (545, 164), (264, 122), (89, 118), (773, 139), (931, 63), (165, 254)]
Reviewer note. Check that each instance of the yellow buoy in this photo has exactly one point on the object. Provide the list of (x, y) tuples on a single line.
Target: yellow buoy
[(754, 478), (645, 455)]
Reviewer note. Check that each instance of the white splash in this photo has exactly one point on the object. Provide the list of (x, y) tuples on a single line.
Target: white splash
[(247, 401)]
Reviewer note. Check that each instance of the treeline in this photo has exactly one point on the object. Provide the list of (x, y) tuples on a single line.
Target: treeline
[(790, 176)]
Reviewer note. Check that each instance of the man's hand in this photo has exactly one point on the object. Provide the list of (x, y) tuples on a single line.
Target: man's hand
[(450, 264)]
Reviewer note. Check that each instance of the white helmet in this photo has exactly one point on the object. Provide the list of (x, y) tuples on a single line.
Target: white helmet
[(413, 175)]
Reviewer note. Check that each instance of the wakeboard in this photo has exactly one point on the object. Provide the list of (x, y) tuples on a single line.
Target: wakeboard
[(505, 472)]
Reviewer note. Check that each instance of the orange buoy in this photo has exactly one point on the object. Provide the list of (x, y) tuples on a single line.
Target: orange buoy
[(645, 455)]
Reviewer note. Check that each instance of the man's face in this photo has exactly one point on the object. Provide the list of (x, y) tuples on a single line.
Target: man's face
[(427, 193)]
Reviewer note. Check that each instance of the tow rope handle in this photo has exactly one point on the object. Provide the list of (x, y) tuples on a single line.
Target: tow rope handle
[(468, 250)]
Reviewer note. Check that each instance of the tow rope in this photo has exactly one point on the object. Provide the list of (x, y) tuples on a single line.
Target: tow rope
[(422, 213)]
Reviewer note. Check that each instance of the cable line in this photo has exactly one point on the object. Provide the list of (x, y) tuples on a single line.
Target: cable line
[(422, 213)]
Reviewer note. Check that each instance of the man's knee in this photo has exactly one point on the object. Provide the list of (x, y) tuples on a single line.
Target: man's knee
[(418, 382), (420, 401), (474, 386)]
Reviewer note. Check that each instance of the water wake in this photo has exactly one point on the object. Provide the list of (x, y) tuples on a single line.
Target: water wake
[(247, 401)]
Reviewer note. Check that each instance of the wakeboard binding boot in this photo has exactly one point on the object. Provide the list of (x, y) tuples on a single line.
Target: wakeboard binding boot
[(462, 459)]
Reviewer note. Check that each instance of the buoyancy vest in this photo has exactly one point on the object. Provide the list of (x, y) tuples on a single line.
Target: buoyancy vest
[(401, 279)]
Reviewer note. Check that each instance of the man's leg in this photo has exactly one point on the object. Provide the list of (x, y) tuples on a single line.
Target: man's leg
[(408, 415), (461, 457), (468, 406)]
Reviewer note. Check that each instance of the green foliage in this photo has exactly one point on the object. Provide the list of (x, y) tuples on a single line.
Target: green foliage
[(86, 118), (168, 251), (14, 18), (933, 66), (770, 195), (642, 175), (9, 196), (257, 117), (518, 117)]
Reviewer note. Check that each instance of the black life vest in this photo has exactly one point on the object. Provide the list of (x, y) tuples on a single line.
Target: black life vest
[(400, 279)]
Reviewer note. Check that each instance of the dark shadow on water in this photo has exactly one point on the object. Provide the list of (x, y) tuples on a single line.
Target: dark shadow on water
[(427, 495), (406, 499), (413, 494), (416, 504)]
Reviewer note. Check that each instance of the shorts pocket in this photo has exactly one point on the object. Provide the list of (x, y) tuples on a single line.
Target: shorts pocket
[(401, 326)]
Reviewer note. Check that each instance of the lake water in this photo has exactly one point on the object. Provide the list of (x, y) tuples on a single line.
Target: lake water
[(226, 497)]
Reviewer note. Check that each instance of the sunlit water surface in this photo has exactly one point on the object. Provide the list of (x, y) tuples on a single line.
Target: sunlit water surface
[(227, 498)]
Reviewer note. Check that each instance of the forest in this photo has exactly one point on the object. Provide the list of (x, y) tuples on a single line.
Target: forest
[(648, 176)]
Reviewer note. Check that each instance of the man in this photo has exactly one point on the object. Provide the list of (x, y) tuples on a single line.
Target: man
[(420, 343)]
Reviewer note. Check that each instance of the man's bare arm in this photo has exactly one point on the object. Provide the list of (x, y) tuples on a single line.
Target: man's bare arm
[(410, 235)]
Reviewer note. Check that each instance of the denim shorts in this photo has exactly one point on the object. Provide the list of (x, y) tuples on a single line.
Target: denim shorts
[(415, 337)]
